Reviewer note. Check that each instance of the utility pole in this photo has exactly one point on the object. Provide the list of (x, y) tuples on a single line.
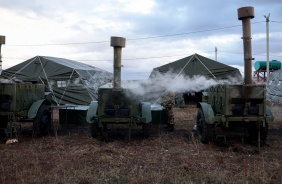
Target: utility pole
[(267, 44), (2, 41), (215, 54)]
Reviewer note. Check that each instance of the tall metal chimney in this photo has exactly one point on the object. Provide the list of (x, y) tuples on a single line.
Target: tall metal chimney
[(117, 43), (246, 14), (2, 41)]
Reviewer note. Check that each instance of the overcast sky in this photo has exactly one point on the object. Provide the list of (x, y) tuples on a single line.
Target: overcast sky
[(60, 22)]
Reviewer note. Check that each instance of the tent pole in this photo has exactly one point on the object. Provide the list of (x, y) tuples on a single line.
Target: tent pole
[(176, 77), (66, 87), (21, 69), (206, 67), (50, 87)]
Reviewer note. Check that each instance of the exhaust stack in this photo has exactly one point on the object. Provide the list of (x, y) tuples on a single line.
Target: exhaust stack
[(117, 43), (246, 14), (2, 41)]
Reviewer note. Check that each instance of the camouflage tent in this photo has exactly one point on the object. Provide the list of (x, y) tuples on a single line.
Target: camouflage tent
[(70, 82), (199, 65), (274, 87)]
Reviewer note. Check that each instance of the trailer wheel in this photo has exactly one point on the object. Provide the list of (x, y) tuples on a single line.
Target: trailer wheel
[(205, 132), (95, 129), (147, 129), (42, 121), (3, 126), (253, 134)]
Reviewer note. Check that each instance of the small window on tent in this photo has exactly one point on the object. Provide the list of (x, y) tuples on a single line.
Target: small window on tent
[(61, 84)]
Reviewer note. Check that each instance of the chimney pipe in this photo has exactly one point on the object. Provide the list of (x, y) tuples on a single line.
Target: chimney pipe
[(117, 43), (246, 14), (2, 41)]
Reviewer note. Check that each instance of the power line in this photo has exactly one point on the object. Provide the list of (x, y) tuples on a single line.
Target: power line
[(134, 39), (156, 57), (275, 21), (178, 34), (122, 59), (242, 53), (14, 58), (55, 44), (193, 32), (231, 52)]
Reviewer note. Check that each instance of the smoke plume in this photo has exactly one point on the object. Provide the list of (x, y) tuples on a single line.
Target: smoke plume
[(153, 88), (13, 80)]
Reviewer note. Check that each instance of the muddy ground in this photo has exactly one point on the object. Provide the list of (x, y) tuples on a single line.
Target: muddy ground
[(71, 155)]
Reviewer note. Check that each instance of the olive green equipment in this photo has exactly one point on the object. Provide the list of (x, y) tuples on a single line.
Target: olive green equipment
[(116, 103), (22, 101), (241, 108), (118, 107)]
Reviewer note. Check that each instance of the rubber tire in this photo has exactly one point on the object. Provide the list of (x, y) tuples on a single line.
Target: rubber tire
[(253, 134), (205, 131), (169, 127), (146, 129), (95, 129), (3, 126), (42, 121)]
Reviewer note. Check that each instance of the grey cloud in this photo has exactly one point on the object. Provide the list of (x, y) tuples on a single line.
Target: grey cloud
[(167, 17)]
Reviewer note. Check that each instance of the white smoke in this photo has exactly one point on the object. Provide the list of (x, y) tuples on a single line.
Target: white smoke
[(52, 83), (182, 84), (153, 88), (13, 80), (76, 81), (5, 81)]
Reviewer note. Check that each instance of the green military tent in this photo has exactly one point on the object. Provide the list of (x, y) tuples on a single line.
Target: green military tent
[(198, 65), (195, 66), (70, 82)]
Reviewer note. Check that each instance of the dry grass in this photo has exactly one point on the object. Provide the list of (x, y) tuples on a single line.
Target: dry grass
[(72, 156)]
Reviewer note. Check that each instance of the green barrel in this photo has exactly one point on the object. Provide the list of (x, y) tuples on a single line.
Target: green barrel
[(273, 65)]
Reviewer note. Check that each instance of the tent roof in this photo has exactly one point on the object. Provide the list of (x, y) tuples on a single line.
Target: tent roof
[(70, 82), (70, 63), (198, 65), (37, 66)]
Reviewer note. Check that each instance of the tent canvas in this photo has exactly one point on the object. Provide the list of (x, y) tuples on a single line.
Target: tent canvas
[(70, 82), (274, 87), (199, 65)]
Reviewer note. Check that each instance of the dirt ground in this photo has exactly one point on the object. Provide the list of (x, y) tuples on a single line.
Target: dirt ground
[(71, 155)]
